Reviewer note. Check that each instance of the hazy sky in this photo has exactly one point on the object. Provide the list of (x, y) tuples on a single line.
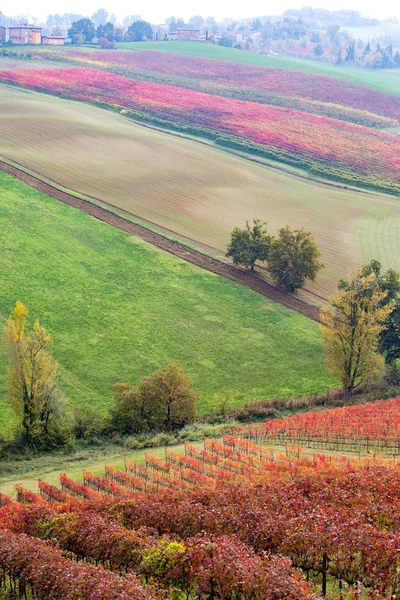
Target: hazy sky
[(157, 11)]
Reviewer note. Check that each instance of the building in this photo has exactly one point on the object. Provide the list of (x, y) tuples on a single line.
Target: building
[(188, 35), (53, 40), (3, 32), (25, 34)]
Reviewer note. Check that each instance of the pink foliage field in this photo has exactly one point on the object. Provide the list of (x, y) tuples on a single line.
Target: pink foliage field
[(344, 151), (272, 80)]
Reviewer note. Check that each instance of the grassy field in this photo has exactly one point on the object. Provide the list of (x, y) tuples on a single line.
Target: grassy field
[(118, 309), (384, 80), (189, 188)]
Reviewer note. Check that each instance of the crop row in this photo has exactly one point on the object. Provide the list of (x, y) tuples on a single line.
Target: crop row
[(324, 146), (31, 565), (201, 567)]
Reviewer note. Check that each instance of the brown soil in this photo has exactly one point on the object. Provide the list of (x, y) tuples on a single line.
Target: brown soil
[(246, 278)]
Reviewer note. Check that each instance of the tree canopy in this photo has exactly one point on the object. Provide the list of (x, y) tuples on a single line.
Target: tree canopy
[(389, 282), (351, 328), (139, 31), (164, 401), (249, 244), (32, 378), (84, 28), (293, 258), (106, 31)]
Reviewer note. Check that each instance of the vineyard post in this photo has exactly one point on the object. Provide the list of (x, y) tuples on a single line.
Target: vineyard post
[(324, 562)]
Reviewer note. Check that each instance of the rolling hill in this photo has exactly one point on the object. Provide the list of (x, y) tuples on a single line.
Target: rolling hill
[(192, 189)]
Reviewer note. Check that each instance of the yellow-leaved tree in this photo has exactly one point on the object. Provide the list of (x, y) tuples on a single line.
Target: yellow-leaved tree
[(32, 382), (351, 328)]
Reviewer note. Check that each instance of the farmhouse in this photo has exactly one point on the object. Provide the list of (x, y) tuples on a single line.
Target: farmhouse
[(53, 40), (3, 31), (25, 34), (188, 34)]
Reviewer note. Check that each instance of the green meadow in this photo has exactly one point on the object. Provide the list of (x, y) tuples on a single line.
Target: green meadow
[(118, 309)]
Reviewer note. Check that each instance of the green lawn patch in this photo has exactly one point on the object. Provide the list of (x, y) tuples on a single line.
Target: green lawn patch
[(118, 309)]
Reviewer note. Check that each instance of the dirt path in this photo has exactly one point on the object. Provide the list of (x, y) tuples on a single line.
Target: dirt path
[(250, 280)]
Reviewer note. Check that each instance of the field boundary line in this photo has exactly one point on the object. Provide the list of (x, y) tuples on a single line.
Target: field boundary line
[(178, 249)]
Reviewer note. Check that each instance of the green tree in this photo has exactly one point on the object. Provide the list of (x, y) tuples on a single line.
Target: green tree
[(249, 244), (32, 378), (389, 282), (293, 258), (225, 41), (351, 327), (129, 413), (163, 401), (139, 31), (83, 27), (169, 398), (318, 50), (100, 17), (105, 31)]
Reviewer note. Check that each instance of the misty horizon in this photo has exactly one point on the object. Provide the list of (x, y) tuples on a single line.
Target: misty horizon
[(158, 13)]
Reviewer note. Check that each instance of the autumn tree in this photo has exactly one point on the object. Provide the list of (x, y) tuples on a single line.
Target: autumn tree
[(249, 244), (293, 258), (389, 282), (351, 328), (32, 384)]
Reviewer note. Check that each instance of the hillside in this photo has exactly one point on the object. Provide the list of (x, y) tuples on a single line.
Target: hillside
[(105, 156), (118, 309), (386, 81)]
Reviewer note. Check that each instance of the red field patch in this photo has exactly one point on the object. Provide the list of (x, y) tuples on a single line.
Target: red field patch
[(363, 426)]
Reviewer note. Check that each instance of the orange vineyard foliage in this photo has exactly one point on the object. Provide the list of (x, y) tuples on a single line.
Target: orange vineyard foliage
[(233, 519)]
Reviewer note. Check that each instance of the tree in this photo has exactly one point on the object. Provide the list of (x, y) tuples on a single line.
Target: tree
[(351, 52), (249, 244), (139, 31), (351, 327), (225, 41), (163, 401), (169, 397), (129, 414), (293, 258), (197, 22), (389, 282), (318, 50), (32, 377), (105, 31), (100, 17), (171, 22), (83, 27)]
